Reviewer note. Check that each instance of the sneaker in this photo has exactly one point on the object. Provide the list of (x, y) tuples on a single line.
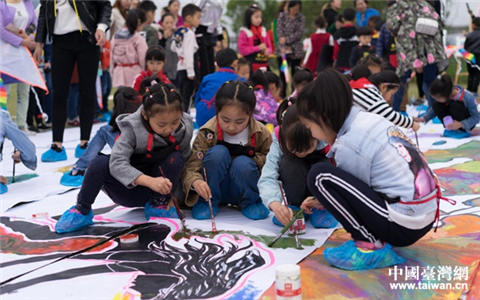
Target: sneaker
[(256, 211), (73, 220), (201, 210), (33, 129), (80, 150), (44, 127), (348, 257), (160, 212), (3, 188), (74, 123), (28, 132), (322, 218), (73, 178), (54, 154)]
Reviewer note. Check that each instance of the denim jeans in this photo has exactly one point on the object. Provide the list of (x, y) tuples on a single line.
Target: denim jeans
[(23, 92), (103, 136), (231, 181), (73, 101)]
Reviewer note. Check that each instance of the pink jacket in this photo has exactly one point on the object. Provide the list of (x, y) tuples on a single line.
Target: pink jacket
[(127, 57), (245, 42)]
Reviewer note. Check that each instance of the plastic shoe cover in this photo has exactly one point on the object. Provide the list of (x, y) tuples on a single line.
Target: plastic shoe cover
[(160, 212), (201, 210), (71, 180), (422, 107), (322, 218), (52, 156), (3, 188), (348, 257), (79, 151), (73, 220), (255, 211), (456, 134), (436, 120)]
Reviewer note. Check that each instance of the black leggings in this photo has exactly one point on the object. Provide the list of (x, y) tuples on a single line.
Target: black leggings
[(66, 50)]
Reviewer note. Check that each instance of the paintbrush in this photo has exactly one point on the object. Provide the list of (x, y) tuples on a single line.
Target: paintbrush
[(295, 217), (416, 135), (177, 208), (214, 227), (286, 205), (14, 163)]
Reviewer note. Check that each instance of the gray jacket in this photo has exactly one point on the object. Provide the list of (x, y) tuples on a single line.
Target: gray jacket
[(133, 139)]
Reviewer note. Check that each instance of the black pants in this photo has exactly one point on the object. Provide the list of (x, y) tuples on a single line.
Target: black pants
[(455, 109), (361, 211), (33, 109), (98, 177), (292, 65), (66, 50), (206, 44), (474, 76), (186, 87)]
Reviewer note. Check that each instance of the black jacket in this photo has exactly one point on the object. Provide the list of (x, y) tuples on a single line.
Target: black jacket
[(91, 13), (472, 43)]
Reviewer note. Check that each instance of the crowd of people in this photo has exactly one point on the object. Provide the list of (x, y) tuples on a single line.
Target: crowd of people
[(332, 145)]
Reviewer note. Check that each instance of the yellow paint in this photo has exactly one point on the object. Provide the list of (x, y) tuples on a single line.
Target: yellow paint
[(118, 296)]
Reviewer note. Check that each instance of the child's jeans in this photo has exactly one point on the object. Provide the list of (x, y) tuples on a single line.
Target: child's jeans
[(103, 136), (231, 181), (98, 177)]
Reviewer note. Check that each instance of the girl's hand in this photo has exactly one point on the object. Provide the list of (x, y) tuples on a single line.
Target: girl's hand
[(283, 213), (202, 188), (29, 43), (3, 180), (161, 185), (310, 203), (418, 120), (416, 126), (455, 125), (262, 47), (37, 55), (16, 156)]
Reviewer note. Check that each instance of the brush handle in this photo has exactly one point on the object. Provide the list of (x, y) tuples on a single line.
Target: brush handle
[(175, 203), (289, 224)]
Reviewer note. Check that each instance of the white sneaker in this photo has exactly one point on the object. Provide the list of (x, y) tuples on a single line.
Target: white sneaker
[(28, 132)]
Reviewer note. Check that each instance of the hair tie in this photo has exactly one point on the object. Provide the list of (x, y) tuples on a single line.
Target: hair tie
[(263, 69), (439, 76), (151, 96), (283, 113), (250, 87), (172, 90), (153, 82), (147, 90)]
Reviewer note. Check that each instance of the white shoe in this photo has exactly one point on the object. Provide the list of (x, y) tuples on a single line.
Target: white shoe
[(28, 132)]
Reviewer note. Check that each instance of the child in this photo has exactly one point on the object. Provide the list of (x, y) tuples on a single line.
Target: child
[(292, 154), (155, 60), (231, 148), (381, 189), (128, 50), (243, 68), (375, 24), (151, 34), (472, 45), (332, 28), (185, 46), (345, 40), (24, 148), (455, 102), (126, 101), (317, 40), (226, 60), (364, 48), (253, 42), (170, 68), (266, 107), (370, 92), (301, 78), (155, 138), (373, 63)]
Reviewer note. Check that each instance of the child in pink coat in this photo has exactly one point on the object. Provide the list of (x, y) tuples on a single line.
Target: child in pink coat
[(128, 49), (253, 42)]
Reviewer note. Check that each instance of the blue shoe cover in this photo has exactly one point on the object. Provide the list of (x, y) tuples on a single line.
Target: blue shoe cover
[(422, 107), (256, 211), (322, 218), (201, 210), (71, 180), (436, 120), (3, 188), (52, 156), (104, 118), (404, 113), (349, 257), (456, 134), (79, 151), (160, 212), (73, 220), (294, 208)]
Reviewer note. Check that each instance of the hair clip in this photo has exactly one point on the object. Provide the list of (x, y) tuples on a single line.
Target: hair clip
[(147, 90), (283, 113), (439, 76), (151, 96), (250, 87), (172, 90), (153, 82), (263, 69), (254, 5)]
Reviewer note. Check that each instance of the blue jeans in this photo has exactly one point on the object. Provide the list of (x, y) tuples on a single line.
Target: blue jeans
[(73, 101), (231, 181), (429, 74), (103, 136)]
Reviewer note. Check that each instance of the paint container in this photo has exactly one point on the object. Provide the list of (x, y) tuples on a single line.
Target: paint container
[(129, 238), (447, 120), (42, 215), (299, 225), (288, 283)]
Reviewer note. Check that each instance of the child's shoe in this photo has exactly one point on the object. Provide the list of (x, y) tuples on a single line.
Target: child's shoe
[(256, 211), (456, 134), (160, 212), (54, 154), (348, 257), (80, 150), (73, 220), (73, 178), (3, 188), (201, 210), (322, 218)]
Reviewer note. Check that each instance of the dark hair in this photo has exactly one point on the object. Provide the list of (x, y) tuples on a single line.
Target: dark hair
[(273, 78), (349, 14), (329, 103), (190, 10), (125, 101), (243, 61), (364, 30), (302, 76), (390, 3), (155, 52), (161, 97), (372, 60), (355, 2), (293, 135), (378, 22), (339, 18), (236, 93), (360, 71), (476, 22), (167, 14), (172, 1), (132, 19), (259, 80), (147, 5), (442, 86), (387, 76), (247, 17), (147, 83), (295, 3), (320, 22)]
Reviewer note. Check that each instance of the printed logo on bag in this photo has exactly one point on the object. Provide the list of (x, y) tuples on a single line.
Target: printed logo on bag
[(210, 136), (200, 155)]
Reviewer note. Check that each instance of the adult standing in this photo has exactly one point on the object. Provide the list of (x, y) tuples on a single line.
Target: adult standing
[(174, 9), (364, 12), (78, 31), (119, 15), (18, 15), (330, 11), (418, 51), (290, 28)]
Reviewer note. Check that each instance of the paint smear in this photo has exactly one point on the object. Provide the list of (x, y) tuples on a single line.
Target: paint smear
[(21, 178)]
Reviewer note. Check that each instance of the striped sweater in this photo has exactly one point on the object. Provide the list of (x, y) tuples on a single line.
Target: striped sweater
[(367, 97)]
